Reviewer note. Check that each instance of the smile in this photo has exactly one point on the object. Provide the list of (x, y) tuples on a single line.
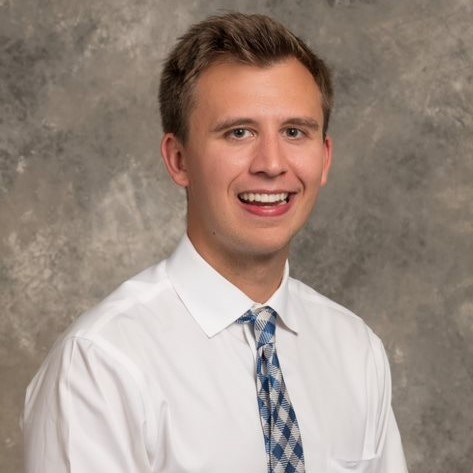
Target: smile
[(264, 199)]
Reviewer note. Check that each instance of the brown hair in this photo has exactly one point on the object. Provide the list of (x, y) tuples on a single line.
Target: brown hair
[(250, 39)]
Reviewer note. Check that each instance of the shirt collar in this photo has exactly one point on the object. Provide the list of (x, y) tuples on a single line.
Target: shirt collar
[(212, 300)]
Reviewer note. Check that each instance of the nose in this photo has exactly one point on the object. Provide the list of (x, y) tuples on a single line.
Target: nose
[(268, 158)]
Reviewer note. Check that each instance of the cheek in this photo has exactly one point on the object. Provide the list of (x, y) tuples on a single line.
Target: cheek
[(214, 159), (309, 173), (210, 182), (223, 169)]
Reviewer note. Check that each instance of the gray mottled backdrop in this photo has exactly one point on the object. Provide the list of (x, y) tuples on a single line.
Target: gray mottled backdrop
[(85, 202)]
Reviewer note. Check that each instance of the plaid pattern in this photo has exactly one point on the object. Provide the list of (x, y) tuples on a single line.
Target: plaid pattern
[(280, 428)]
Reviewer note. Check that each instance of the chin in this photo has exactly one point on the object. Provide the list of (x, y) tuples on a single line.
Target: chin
[(267, 247)]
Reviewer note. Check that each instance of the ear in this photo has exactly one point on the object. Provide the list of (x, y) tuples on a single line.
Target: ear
[(328, 148), (172, 153)]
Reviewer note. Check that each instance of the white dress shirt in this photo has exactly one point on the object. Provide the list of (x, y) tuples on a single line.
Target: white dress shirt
[(159, 378)]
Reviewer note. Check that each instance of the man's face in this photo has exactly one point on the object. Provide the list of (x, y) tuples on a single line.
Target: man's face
[(254, 160)]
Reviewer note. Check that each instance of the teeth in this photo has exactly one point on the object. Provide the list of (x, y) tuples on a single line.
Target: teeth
[(264, 198)]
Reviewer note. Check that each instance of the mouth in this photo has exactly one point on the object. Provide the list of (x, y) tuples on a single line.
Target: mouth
[(264, 199)]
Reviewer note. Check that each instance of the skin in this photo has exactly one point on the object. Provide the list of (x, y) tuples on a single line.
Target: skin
[(253, 130)]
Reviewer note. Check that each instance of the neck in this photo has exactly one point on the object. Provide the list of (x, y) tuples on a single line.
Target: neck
[(257, 276)]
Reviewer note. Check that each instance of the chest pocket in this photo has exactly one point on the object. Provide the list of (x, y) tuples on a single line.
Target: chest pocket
[(352, 466)]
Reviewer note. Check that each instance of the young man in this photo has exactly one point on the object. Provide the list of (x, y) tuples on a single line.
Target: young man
[(215, 360)]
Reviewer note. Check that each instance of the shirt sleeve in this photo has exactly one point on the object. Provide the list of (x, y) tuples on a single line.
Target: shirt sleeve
[(389, 455), (84, 412)]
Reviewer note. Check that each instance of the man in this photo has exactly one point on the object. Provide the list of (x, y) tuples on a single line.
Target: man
[(215, 360)]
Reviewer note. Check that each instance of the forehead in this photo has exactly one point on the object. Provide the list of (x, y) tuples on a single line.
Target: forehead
[(234, 87)]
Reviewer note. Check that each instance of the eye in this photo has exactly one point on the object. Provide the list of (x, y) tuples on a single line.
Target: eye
[(294, 133), (239, 133)]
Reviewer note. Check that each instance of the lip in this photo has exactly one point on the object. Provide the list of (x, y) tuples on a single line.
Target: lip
[(262, 209)]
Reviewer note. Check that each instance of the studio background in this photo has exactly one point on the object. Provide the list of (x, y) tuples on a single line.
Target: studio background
[(85, 201)]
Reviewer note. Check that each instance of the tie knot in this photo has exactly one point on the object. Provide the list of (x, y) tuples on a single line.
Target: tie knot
[(263, 320)]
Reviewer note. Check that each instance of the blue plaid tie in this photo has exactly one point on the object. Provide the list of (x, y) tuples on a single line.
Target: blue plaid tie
[(280, 428)]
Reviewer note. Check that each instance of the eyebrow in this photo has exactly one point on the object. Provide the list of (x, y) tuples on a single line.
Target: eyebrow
[(306, 122), (231, 123), (310, 123)]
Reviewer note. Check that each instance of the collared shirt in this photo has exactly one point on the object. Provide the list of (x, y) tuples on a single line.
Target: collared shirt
[(160, 378)]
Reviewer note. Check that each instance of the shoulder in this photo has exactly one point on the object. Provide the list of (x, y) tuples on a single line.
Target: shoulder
[(330, 320), (129, 306), (111, 333), (319, 305), (338, 335)]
